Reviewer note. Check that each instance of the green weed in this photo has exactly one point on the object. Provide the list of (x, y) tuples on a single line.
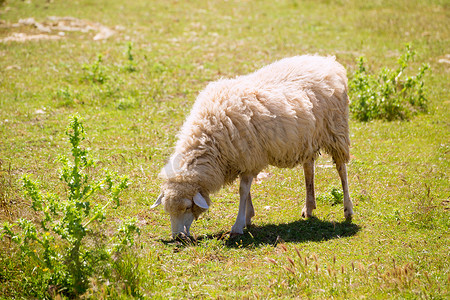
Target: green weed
[(388, 95), (57, 244), (130, 65), (127, 103), (334, 197), (96, 72), (67, 96)]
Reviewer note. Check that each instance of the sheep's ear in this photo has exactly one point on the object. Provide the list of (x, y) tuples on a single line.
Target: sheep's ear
[(158, 201), (200, 201)]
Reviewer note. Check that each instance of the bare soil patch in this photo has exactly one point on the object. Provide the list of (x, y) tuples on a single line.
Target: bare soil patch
[(54, 28)]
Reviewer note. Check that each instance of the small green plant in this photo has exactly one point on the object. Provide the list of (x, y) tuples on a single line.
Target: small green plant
[(130, 66), (388, 95), (334, 197), (126, 103), (60, 243), (67, 96), (158, 68), (96, 72)]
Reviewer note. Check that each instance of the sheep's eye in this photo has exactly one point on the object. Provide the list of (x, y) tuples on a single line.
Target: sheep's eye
[(188, 208)]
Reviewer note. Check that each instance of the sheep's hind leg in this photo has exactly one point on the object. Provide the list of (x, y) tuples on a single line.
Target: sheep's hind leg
[(348, 205), (310, 204), (245, 205)]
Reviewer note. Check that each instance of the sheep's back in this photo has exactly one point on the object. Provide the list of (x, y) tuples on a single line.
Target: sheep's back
[(280, 115)]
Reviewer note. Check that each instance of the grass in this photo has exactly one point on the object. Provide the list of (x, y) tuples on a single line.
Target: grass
[(398, 243)]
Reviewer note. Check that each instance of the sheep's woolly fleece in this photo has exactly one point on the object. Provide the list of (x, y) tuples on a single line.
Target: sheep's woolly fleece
[(280, 115)]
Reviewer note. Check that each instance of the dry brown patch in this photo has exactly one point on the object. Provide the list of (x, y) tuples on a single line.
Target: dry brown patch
[(54, 28)]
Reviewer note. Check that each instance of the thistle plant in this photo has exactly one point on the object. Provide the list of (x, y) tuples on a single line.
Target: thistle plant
[(58, 242)]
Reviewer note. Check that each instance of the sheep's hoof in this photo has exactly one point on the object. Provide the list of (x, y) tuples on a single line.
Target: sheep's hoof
[(348, 214), (305, 213), (235, 234), (237, 229), (183, 238)]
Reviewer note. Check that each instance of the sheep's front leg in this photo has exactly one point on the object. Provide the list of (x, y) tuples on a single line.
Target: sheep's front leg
[(348, 205), (310, 204), (245, 205), (249, 211)]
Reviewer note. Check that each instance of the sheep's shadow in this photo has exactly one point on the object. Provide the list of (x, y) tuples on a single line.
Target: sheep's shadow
[(309, 230)]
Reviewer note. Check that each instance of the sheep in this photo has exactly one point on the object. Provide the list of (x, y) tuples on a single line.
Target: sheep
[(282, 115)]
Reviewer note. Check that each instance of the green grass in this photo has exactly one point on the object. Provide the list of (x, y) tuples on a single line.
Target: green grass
[(398, 243)]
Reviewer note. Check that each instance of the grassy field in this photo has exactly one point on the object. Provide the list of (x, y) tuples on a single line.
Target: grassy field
[(398, 243)]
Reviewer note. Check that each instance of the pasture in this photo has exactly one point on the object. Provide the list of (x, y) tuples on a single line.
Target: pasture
[(132, 70)]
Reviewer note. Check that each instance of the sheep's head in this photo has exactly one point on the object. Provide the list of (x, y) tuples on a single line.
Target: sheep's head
[(183, 207)]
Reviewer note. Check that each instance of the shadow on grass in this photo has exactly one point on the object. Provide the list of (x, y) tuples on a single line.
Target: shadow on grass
[(310, 230)]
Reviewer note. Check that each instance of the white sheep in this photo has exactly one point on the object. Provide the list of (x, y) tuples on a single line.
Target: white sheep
[(280, 115)]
